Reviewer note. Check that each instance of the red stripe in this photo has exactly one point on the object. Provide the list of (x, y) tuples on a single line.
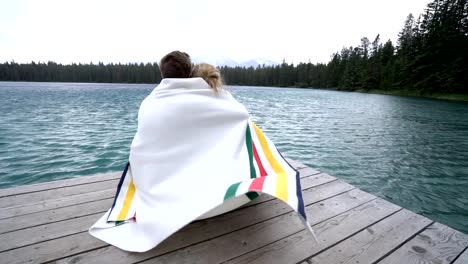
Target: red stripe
[(259, 162), (257, 184)]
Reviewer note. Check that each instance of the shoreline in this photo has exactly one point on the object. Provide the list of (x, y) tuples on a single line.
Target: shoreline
[(438, 96)]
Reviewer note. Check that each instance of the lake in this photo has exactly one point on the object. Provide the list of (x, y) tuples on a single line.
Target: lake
[(410, 151)]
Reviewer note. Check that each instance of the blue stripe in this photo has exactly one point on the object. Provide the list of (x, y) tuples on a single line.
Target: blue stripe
[(122, 178), (300, 206)]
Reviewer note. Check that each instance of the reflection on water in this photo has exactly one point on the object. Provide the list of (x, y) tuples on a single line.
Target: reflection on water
[(411, 151)]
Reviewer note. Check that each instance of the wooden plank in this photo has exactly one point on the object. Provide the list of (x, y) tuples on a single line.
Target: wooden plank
[(44, 206), (373, 243), (37, 234), (55, 215), (63, 213), (58, 184), (300, 245), (317, 212), (54, 235), (336, 205), (25, 199), (437, 244), (194, 233), (322, 192), (314, 180), (463, 258), (296, 164), (37, 197), (99, 195), (40, 253), (91, 179), (304, 172), (258, 239)]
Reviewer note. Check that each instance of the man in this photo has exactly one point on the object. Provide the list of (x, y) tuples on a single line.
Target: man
[(176, 64)]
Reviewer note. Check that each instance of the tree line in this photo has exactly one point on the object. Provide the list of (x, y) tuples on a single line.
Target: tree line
[(100, 73), (430, 56)]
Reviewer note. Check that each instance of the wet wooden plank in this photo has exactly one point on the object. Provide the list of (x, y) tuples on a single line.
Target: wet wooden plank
[(42, 214), (298, 246), (47, 205), (351, 225), (304, 172), (338, 204), (296, 164), (37, 197), (58, 184), (437, 244), (50, 250), (317, 179), (55, 215), (253, 238), (64, 213), (37, 234), (374, 242), (193, 233), (463, 258)]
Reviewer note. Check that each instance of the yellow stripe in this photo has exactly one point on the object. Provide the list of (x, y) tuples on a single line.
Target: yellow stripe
[(281, 191), (127, 202)]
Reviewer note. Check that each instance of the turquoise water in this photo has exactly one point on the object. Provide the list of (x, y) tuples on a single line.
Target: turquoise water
[(411, 151)]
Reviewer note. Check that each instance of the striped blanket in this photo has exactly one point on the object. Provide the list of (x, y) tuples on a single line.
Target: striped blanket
[(195, 155)]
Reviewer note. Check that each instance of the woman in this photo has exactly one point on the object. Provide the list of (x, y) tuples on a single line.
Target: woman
[(209, 74)]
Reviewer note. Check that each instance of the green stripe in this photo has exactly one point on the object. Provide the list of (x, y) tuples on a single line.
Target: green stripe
[(231, 191), (252, 195), (248, 139)]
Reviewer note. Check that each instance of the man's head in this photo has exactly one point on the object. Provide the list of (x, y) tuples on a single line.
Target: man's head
[(176, 64)]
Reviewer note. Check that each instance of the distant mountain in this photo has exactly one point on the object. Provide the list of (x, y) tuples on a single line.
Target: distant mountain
[(225, 61), (256, 62)]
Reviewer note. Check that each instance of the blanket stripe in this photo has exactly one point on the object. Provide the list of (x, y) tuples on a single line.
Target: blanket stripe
[(258, 161), (127, 202), (249, 143), (271, 172), (268, 173), (123, 208), (282, 178), (119, 188)]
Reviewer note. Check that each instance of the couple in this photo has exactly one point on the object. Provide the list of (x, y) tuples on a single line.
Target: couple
[(196, 154), (178, 65)]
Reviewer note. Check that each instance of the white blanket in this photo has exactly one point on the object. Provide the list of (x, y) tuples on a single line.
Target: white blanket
[(195, 155)]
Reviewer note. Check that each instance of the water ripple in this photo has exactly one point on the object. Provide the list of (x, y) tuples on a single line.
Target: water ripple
[(413, 152)]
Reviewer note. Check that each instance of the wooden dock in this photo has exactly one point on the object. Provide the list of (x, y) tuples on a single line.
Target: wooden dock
[(49, 222)]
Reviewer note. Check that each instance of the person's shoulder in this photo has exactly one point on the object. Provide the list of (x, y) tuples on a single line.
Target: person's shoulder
[(170, 85)]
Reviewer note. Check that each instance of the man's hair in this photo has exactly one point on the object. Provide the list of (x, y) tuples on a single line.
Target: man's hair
[(176, 64)]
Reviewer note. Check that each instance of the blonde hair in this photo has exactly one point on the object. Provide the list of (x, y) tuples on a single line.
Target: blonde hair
[(210, 74)]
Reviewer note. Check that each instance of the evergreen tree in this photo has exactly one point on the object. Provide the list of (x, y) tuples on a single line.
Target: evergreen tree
[(431, 55)]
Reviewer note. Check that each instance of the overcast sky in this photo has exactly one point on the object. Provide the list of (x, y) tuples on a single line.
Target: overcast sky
[(143, 30)]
